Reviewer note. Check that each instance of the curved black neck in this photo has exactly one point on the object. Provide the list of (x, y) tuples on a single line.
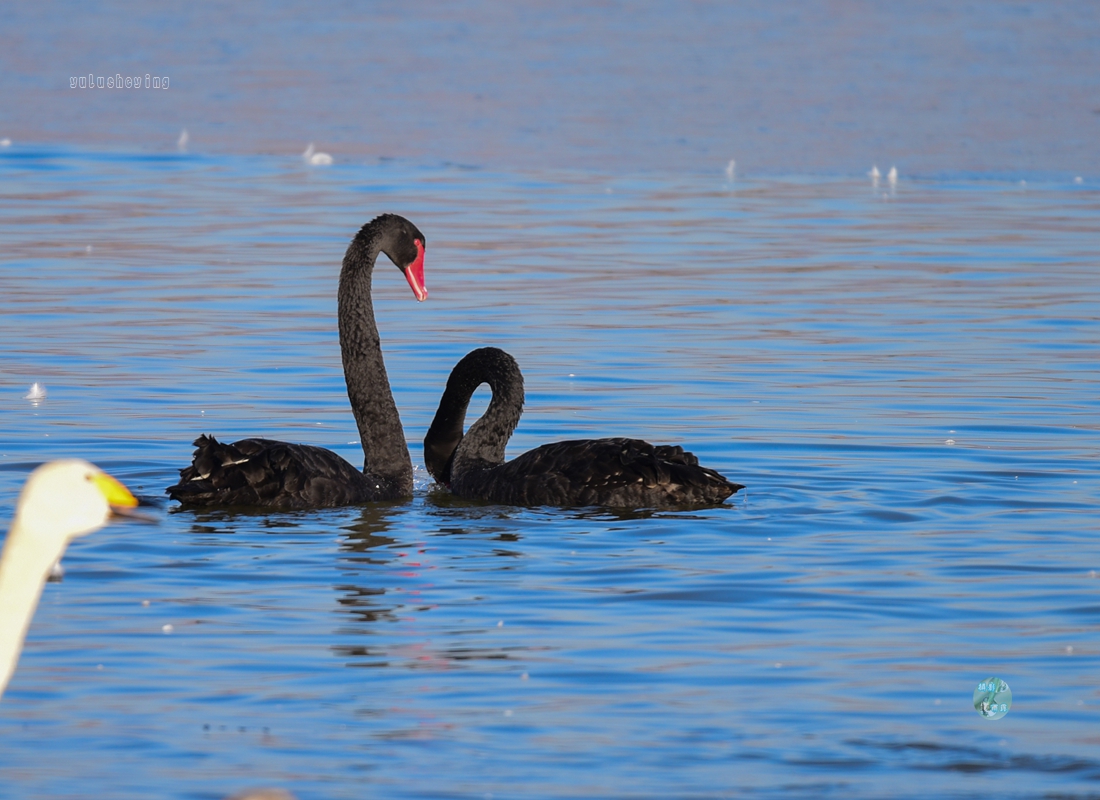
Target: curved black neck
[(385, 453), (445, 446)]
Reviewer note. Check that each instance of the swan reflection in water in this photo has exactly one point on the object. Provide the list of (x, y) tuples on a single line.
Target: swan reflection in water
[(387, 582)]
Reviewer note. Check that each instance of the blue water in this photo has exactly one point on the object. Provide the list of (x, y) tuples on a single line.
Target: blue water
[(812, 87), (903, 377)]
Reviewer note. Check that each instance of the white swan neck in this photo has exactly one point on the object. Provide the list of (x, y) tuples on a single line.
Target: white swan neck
[(24, 566)]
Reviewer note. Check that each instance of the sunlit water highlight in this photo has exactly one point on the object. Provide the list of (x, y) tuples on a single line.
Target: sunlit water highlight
[(904, 380)]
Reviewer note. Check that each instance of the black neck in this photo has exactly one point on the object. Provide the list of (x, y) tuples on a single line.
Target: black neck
[(445, 446), (386, 455)]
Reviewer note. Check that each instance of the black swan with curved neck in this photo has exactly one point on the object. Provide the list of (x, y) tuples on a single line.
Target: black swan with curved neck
[(262, 472), (587, 472)]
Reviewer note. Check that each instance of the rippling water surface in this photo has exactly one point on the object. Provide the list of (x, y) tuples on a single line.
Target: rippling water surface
[(904, 379)]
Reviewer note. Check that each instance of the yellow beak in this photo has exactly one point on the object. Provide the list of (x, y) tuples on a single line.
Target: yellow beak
[(118, 496)]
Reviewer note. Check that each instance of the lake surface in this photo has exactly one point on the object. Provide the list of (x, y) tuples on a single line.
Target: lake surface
[(812, 87), (904, 377)]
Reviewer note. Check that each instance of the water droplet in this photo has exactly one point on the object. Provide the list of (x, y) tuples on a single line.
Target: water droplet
[(36, 394)]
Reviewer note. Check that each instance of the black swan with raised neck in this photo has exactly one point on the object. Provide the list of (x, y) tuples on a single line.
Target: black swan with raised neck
[(263, 472), (621, 473)]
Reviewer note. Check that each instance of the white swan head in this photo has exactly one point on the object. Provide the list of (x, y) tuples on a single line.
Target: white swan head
[(66, 499), (59, 502)]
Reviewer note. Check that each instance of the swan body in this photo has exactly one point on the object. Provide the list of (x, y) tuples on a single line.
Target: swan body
[(59, 502), (273, 474), (265, 472), (312, 157), (617, 472)]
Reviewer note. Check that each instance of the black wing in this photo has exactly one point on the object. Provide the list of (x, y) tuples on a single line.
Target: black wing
[(606, 472), (263, 472)]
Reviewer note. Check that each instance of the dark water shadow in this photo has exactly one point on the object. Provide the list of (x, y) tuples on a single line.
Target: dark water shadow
[(369, 531), (440, 499), (364, 546)]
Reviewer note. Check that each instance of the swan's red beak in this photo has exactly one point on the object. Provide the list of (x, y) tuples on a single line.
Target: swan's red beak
[(414, 273)]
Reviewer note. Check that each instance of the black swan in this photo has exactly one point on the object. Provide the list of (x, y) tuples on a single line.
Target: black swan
[(262, 472), (587, 472)]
